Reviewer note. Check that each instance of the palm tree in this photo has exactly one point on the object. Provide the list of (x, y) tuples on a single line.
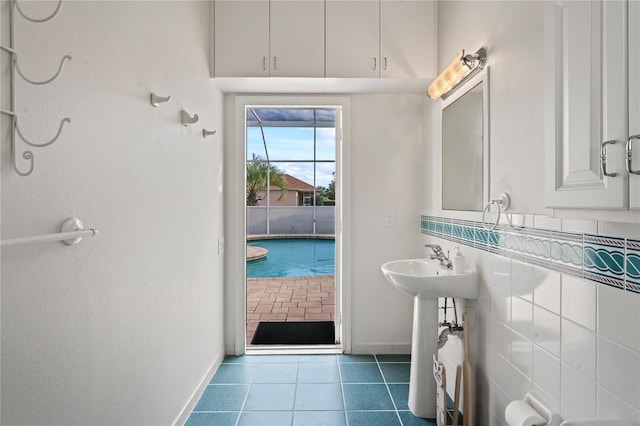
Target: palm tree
[(257, 172)]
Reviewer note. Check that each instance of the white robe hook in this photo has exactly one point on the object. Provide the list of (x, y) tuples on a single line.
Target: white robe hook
[(187, 119), (157, 100), (206, 133)]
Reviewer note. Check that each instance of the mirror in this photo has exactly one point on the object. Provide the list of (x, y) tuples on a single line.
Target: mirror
[(465, 147)]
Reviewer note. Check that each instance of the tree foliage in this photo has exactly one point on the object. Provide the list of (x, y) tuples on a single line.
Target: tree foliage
[(329, 193), (257, 172)]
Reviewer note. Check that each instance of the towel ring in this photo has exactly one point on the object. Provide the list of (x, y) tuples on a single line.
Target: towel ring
[(502, 203)]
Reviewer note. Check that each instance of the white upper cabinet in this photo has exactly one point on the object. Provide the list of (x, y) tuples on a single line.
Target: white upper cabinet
[(586, 106), (242, 38), (388, 38), (407, 39), (277, 38), (634, 101), (353, 38), (297, 38)]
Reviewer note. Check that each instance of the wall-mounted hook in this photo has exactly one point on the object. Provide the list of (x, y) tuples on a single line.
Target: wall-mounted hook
[(206, 133), (157, 100), (40, 145), (40, 20), (187, 119), (27, 155), (28, 80)]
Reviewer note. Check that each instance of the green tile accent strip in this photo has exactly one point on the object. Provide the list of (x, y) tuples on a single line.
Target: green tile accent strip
[(602, 259)]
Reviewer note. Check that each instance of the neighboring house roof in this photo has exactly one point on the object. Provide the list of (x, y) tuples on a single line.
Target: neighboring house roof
[(295, 184)]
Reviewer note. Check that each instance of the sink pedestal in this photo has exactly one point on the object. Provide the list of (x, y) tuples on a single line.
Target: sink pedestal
[(426, 281), (424, 344)]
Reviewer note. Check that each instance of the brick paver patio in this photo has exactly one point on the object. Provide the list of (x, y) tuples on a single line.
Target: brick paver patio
[(289, 299)]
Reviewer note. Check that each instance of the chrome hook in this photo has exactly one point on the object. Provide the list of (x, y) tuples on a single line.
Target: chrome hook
[(187, 119), (28, 18), (206, 133), (157, 100), (27, 79)]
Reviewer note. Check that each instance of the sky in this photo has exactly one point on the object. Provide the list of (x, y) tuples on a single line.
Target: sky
[(296, 143)]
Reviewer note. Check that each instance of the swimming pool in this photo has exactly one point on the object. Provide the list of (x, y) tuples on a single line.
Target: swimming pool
[(294, 257)]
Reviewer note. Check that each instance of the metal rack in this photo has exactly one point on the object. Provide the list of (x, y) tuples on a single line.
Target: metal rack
[(15, 69)]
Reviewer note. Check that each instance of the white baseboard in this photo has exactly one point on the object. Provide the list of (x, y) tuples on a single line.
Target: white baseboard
[(197, 393), (380, 348)]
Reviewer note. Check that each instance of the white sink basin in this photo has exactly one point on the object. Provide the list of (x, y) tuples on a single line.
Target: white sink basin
[(428, 280)]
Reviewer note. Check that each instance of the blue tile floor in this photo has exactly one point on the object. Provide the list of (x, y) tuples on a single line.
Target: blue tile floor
[(310, 390)]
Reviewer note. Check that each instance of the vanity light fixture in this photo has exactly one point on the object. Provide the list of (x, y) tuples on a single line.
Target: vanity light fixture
[(462, 68)]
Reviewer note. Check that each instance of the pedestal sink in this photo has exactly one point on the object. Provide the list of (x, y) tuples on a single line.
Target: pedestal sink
[(426, 281)]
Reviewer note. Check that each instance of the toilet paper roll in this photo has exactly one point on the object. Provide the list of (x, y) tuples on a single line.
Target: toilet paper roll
[(519, 413)]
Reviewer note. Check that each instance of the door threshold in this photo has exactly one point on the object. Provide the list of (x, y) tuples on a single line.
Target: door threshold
[(294, 350)]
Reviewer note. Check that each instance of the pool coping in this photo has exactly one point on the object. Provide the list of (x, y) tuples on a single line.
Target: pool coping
[(256, 253)]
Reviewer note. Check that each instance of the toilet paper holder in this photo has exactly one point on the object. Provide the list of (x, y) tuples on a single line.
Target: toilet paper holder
[(532, 400)]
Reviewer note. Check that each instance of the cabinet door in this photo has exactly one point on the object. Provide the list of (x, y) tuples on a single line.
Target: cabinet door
[(297, 38), (241, 38), (634, 99), (585, 104), (407, 38), (353, 41)]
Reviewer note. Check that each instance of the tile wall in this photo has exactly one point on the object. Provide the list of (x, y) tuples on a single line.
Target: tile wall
[(559, 315)]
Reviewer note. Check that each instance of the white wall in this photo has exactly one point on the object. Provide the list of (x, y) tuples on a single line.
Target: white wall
[(386, 146), (122, 328), (572, 341)]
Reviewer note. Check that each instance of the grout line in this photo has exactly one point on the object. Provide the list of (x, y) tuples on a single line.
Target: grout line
[(244, 402), (344, 399), (386, 385), (295, 389)]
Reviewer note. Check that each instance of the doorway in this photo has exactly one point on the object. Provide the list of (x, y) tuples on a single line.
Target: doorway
[(292, 269)]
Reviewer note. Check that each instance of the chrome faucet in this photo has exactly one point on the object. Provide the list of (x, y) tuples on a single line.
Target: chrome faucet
[(439, 255)]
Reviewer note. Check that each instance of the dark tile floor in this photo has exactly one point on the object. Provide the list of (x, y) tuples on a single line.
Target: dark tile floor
[(333, 390)]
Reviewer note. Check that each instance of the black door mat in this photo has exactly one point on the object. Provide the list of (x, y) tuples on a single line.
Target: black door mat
[(294, 333)]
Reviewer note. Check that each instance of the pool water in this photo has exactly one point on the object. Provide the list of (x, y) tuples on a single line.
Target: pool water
[(294, 258)]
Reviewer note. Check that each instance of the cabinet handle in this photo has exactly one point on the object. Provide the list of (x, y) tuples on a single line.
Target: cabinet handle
[(375, 63), (264, 63), (603, 158), (629, 142), (385, 64), (275, 62)]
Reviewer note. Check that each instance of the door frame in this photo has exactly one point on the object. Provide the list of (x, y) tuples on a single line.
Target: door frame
[(235, 213)]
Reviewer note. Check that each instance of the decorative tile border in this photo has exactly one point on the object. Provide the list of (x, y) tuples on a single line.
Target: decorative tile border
[(607, 260), (633, 265), (604, 259)]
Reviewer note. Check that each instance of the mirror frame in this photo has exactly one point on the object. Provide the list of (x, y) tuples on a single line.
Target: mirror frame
[(480, 78)]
